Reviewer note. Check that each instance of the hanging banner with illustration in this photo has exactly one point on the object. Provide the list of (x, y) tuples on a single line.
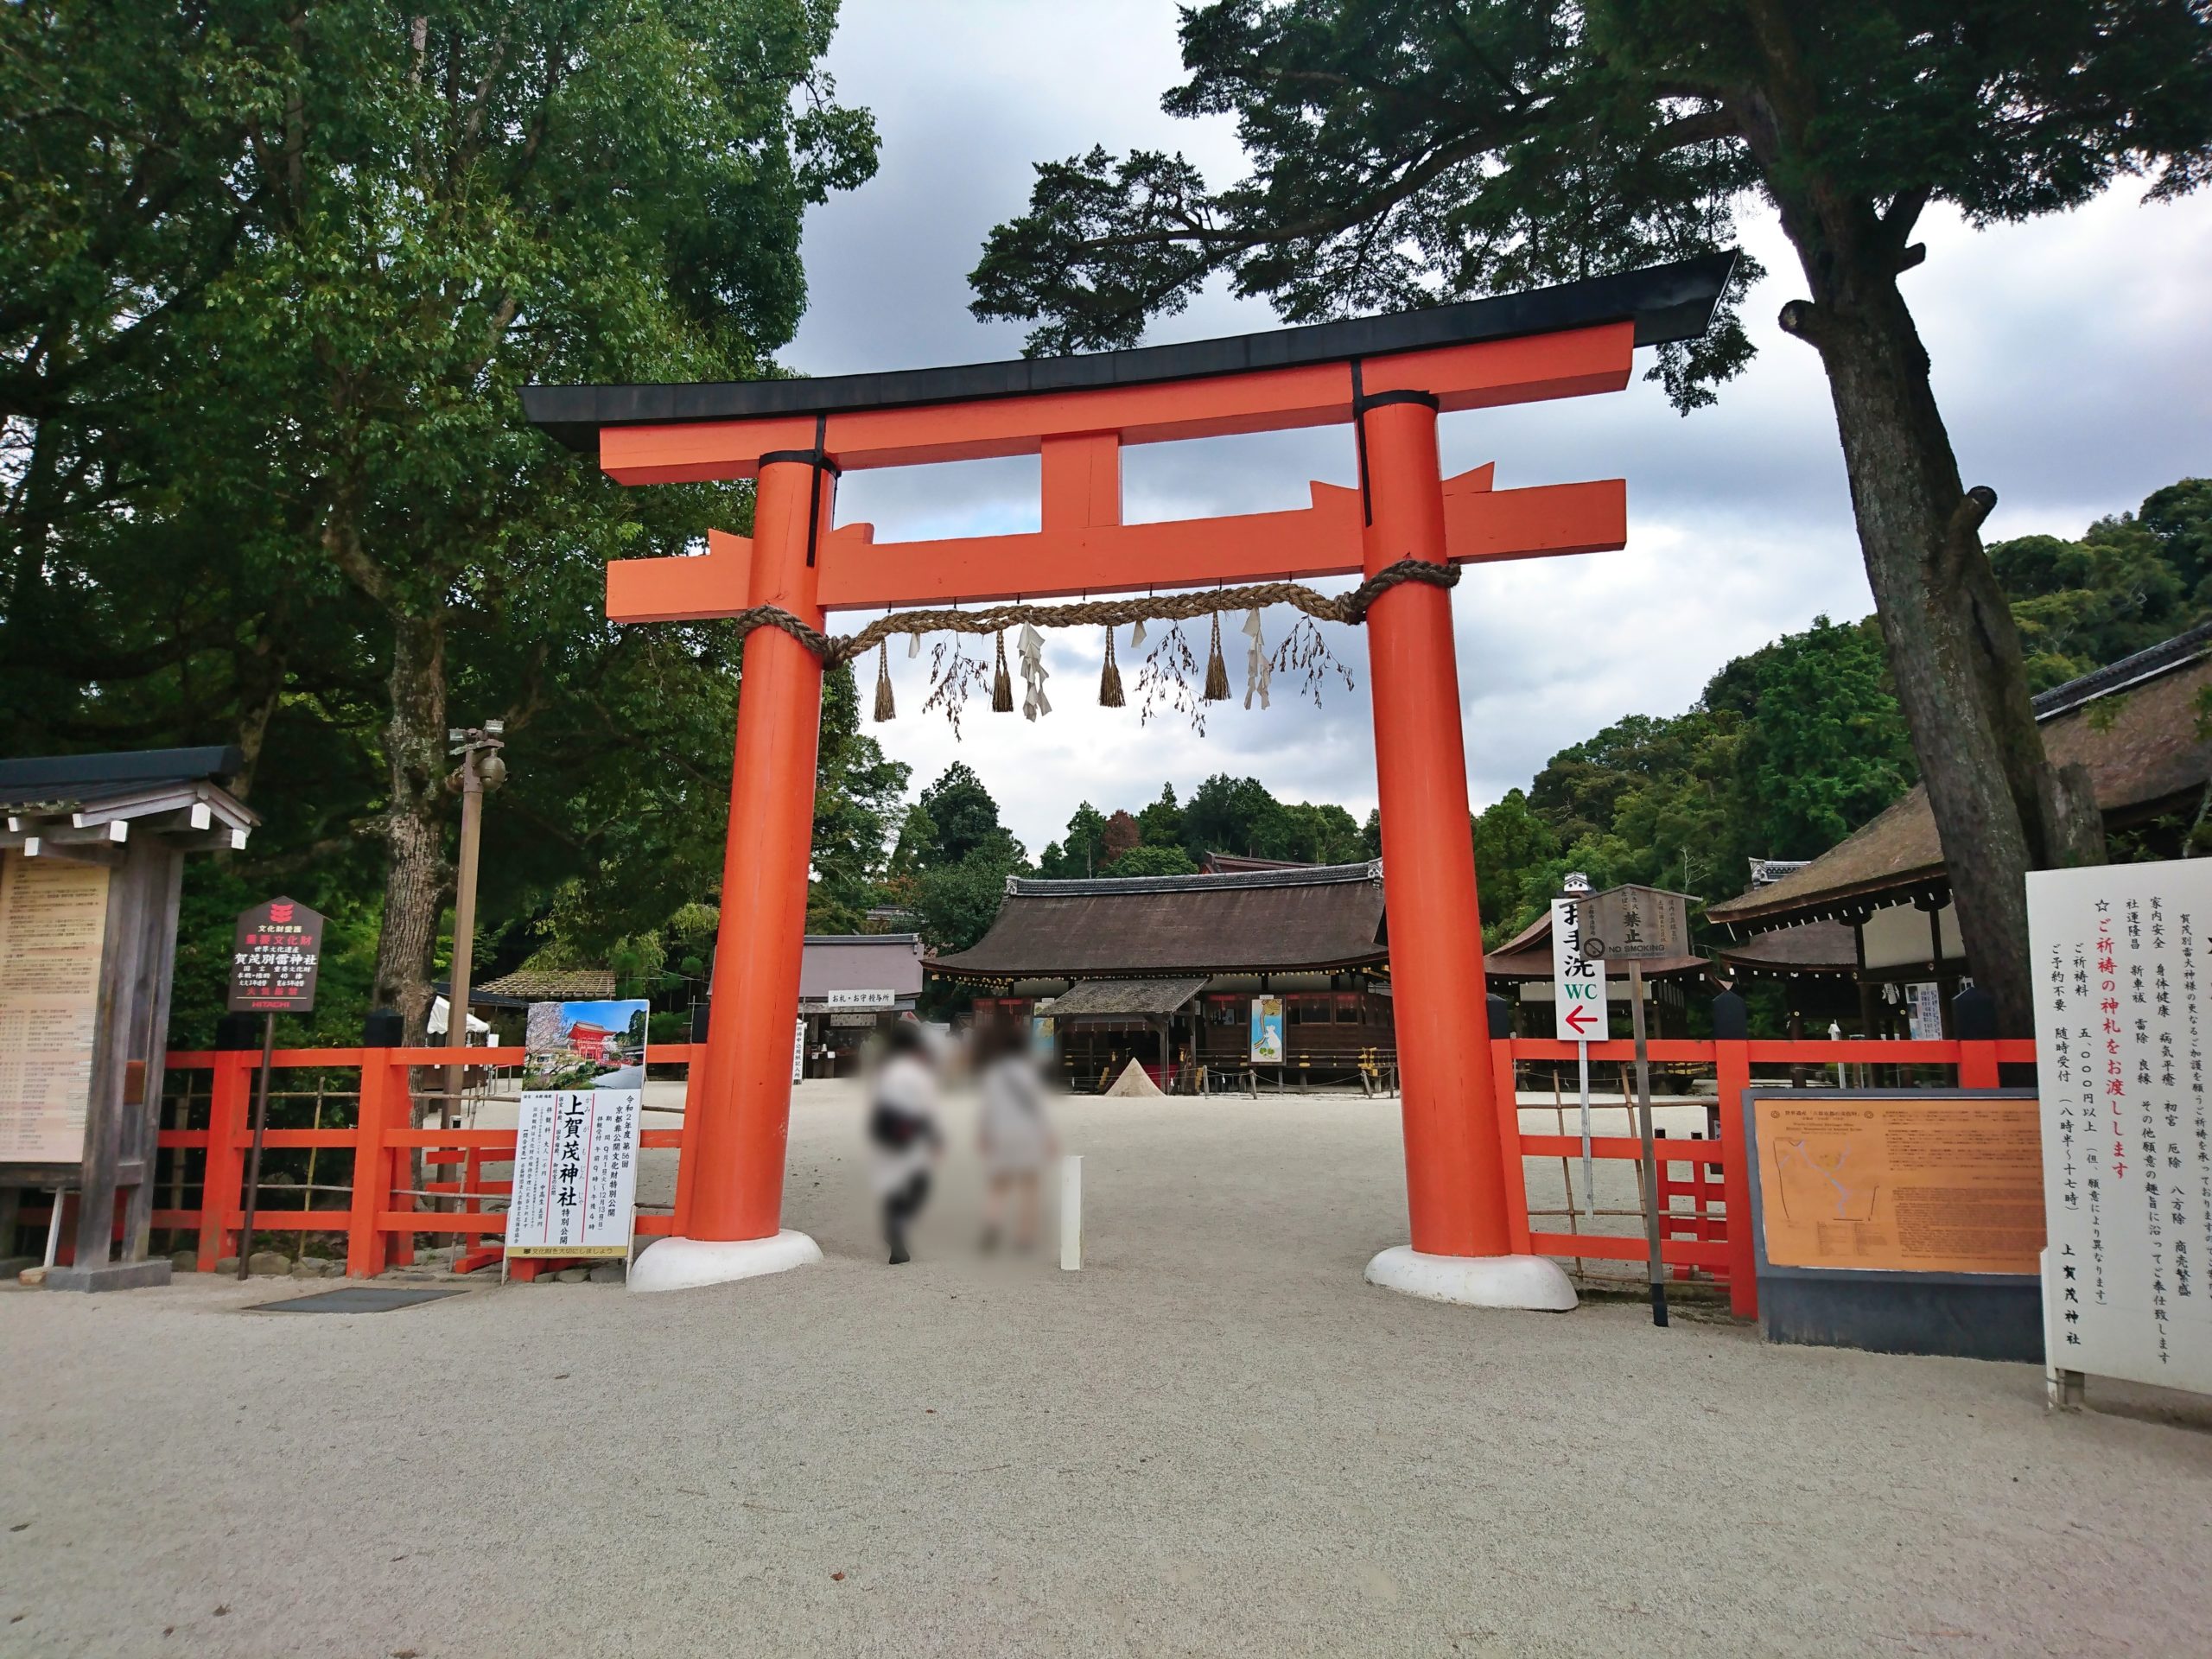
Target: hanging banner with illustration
[(1267, 1030), (575, 1172)]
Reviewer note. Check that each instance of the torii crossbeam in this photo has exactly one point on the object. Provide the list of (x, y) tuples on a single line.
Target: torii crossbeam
[(1388, 377)]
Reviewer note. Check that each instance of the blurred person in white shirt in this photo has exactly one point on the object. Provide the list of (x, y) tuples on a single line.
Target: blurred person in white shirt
[(902, 1131), (1016, 1132)]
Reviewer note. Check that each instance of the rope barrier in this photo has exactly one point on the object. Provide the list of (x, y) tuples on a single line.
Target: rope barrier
[(1349, 608)]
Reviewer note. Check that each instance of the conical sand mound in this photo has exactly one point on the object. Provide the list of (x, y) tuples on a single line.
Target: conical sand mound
[(1132, 1081)]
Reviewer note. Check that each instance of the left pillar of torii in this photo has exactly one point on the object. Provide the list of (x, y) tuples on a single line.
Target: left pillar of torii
[(730, 1184), (92, 861)]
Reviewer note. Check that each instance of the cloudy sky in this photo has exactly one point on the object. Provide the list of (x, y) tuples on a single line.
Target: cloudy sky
[(2069, 358)]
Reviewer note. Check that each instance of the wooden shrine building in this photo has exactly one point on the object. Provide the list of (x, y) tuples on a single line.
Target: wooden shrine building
[(1166, 970), (1875, 910)]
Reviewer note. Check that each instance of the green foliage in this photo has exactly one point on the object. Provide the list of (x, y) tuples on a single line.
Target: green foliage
[(273, 283), (2129, 582), (855, 798), (1161, 825), (962, 818), (1153, 861)]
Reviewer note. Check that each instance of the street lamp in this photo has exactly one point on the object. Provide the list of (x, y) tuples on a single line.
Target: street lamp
[(480, 770)]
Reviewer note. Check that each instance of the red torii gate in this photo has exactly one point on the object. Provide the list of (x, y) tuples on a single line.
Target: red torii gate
[(1389, 376)]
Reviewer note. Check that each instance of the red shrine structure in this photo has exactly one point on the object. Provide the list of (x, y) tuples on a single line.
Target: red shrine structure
[(1389, 378)]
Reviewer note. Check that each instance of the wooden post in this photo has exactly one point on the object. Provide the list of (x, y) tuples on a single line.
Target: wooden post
[(219, 1187), (365, 1241), (1731, 1057), (260, 1131), (1655, 1268)]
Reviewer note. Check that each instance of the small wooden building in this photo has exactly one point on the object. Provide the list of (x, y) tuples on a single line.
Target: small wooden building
[(1166, 970), (850, 985), (2137, 725)]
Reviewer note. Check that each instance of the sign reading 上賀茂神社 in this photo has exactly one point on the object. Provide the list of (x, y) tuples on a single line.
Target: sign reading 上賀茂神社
[(575, 1170), (276, 954), (52, 926), (2119, 955), (1578, 977)]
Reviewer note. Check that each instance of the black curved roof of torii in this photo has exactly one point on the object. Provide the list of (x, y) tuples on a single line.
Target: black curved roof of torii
[(1666, 302)]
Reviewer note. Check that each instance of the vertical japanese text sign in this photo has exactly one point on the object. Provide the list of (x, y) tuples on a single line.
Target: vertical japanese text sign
[(1579, 977), (575, 1172), (276, 953), (2120, 958)]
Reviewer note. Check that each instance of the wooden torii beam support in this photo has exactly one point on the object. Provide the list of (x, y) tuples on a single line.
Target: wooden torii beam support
[(1388, 377)]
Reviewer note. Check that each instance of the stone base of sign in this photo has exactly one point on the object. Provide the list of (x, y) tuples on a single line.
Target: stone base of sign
[(111, 1275), (1536, 1282), (688, 1264), (1959, 1316)]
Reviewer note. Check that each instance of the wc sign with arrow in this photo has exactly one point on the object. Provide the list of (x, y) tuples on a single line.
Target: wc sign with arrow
[(1578, 973)]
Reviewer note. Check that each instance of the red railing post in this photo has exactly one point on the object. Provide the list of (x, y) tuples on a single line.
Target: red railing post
[(1509, 1137), (364, 1253), (224, 1167), (1731, 1062)]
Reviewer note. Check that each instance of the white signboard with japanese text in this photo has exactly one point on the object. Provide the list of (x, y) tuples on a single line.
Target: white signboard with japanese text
[(2119, 957), (861, 998), (576, 1172), (1579, 979)]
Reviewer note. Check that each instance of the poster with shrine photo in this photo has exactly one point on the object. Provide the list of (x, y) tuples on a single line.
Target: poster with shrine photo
[(2120, 958), (575, 1171)]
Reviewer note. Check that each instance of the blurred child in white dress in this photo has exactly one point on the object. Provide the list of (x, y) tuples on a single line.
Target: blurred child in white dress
[(1017, 1136)]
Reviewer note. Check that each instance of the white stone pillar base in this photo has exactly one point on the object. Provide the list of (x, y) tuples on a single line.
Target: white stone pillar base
[(1527, 1282), (688, 1264)]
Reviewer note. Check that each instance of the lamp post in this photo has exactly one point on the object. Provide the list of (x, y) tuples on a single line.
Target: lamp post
[(480, 770)]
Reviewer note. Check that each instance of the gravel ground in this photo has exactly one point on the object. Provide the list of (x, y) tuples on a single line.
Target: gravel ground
[(1213, 1440)]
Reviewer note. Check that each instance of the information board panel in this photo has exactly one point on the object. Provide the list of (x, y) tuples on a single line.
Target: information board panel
[(2119, 955), (575, 1171), (1912, 1182), (53, 925)]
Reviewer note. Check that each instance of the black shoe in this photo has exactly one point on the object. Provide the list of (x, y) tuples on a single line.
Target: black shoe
[(899, 1256)]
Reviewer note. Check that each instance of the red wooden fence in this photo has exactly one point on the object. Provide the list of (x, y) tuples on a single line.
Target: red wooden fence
[(380, 1223)]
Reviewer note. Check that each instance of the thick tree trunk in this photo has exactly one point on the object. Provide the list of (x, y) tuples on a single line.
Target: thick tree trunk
[(1954, 650), (416, 875)]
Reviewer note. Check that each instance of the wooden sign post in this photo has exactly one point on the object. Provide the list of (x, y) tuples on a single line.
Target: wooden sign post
[(1636, 925), (276, 954)]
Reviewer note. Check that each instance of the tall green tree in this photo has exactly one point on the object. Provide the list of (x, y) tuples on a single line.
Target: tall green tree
[(1407, 150), (462, 198)]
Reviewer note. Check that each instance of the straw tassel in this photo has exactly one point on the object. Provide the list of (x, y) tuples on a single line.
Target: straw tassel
[(1216, 670), (1001, 686), (1109, 680), (886, 709)]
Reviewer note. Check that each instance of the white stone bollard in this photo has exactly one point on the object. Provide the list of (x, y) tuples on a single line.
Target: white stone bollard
[(1071, 1212)]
